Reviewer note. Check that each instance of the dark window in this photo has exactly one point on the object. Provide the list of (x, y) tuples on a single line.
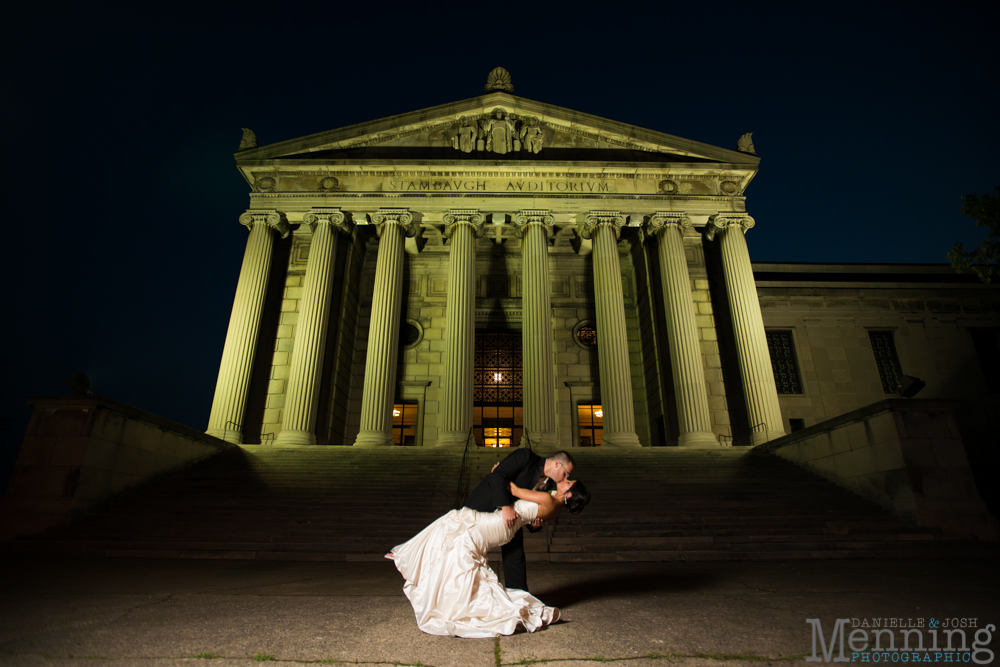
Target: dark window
[(497, 414), (409, 334), (783, 363), (591, 418), (988, 352), (886, 359), (796, 424)]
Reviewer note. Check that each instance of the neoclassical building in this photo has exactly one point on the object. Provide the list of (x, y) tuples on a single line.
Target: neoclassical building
[(507, 270)]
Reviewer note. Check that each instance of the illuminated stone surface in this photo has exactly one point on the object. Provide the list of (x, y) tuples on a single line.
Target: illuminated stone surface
[(531, 175)]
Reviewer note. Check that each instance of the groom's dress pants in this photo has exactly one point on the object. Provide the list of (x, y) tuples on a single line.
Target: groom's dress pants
[(524, 468), (515, 567)]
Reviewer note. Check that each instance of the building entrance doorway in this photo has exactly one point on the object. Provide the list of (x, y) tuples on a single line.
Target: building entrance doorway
[(498, 409)]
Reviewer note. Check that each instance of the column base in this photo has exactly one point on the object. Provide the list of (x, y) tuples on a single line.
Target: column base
[(234, 437), (540, 440), (290, 437), (454, 439), (374, 439), (698, 439), (620, 440), (767, 436)]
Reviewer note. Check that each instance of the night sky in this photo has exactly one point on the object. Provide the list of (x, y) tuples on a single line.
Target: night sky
[(122, 248)]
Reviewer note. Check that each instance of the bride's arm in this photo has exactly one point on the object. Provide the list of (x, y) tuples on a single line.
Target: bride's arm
[(540, 497)]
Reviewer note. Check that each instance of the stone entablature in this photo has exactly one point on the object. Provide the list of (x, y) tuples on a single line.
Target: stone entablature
[(725, 183)]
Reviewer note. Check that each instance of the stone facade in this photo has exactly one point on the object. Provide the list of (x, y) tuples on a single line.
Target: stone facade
[(498, 204)]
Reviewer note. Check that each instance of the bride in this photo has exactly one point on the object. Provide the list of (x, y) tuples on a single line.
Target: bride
[(448, 578)]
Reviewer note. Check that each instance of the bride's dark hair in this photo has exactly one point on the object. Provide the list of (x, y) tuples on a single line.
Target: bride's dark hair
[(581, 496)]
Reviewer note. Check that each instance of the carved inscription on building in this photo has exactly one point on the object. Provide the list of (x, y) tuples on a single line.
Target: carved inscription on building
[(513, 185)]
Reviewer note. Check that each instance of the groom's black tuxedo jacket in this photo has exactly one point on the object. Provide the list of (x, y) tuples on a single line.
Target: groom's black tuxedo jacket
[(523, 467)]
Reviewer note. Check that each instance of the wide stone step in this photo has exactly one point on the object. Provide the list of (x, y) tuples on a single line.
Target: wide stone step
[(337, 503)]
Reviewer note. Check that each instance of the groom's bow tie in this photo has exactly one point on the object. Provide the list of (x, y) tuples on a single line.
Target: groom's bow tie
[(542, 484)]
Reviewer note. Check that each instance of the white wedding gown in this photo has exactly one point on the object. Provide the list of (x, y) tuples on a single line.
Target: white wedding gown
[(449, 581)]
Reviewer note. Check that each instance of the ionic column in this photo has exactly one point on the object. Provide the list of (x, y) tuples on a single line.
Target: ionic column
[(393, 226), (759, 389), (535, 227), (229, 404), (298, 420), (463, 226), (682, 332), (603, 228)]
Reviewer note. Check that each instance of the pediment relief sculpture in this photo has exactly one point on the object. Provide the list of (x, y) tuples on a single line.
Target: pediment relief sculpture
[(499, 132)]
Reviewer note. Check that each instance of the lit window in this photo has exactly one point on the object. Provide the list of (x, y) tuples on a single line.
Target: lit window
[(404, 424), (591, 420), (587, 335), (497, 414)]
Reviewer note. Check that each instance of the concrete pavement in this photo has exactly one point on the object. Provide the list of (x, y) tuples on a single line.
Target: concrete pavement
[(167, 612)]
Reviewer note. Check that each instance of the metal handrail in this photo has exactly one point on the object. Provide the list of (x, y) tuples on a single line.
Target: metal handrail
[(462, 492), (753, 429)]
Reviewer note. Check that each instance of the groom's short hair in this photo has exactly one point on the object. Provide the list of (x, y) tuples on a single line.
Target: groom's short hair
[(564, 458)]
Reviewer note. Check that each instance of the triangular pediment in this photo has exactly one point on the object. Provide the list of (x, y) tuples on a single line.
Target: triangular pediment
[(496, 126)]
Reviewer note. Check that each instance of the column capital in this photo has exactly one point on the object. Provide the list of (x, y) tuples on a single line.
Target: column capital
[(724, 220), (266, 216), (527, 217), (326, 216), (595, 219), (663, 220), (463, 216), (394, 216)]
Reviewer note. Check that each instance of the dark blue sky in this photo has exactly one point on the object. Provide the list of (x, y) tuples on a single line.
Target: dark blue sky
[(122, 247)]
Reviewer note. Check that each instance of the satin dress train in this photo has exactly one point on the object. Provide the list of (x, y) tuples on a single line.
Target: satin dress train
[(449, 581)]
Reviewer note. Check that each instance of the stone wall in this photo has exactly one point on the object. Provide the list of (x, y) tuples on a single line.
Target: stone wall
[(635, 290), (831, 323), (930, 310), (906, 455), (79, 451)]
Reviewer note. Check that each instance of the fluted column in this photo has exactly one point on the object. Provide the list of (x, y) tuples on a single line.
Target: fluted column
[(462, 226), (393, 226), (682, 332), (534, 228), (229, 404), (759, 389), (603, 227), (298, 419)]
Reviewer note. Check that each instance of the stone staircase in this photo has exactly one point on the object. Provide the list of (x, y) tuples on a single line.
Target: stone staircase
[(340, 503)]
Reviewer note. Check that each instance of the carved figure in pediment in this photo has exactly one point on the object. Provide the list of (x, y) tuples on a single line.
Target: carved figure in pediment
[(465, 137), (499, 132), (532, 136)]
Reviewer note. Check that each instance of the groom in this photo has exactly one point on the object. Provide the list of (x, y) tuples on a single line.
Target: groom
[(526, 469)]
